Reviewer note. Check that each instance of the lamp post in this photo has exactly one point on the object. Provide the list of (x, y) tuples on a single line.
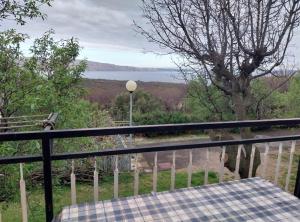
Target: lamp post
[(131, 87)]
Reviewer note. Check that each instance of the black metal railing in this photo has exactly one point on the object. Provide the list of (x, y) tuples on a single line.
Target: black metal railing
[(47, 136)]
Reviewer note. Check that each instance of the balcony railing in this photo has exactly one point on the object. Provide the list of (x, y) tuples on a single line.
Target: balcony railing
[(47, 136)]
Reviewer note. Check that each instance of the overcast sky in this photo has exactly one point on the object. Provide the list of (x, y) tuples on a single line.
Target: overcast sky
[(105, 30)]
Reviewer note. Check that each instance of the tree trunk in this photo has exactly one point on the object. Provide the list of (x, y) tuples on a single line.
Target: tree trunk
[(231, 151), (240, 107)]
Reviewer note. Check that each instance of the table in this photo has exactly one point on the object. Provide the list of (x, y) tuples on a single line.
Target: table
[(252, 199)]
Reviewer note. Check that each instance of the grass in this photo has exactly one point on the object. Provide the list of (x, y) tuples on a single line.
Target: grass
[(11, 211), (282, 180), (285, 158)]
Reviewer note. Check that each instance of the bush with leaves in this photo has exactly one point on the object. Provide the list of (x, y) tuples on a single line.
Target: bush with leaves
[(143, 103), (206, 101), (292, 99), (163, 117), (267, 102)]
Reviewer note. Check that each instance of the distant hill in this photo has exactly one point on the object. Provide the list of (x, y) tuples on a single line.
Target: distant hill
[(99, 66), (105, 91)]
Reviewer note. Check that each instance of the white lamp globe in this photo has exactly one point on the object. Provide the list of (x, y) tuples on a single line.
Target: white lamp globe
[(131, 86)]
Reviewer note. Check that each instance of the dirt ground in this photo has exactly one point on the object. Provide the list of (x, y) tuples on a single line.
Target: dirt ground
[(146, 160)]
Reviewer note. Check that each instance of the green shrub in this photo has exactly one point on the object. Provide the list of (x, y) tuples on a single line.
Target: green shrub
[(143, 103), (163, 117)]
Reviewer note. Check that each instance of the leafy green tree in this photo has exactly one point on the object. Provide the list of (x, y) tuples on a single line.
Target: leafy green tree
[(267, 102), (46, 81), (292, 99), (17, 83), (55, 62), (20, 10), (51, 81), (207, 103), (143, 103)]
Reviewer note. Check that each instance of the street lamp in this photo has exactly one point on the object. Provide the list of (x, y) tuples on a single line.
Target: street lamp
[(131, 87)]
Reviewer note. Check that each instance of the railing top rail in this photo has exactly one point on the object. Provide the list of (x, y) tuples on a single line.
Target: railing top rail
[(70, 133), (147, 148)]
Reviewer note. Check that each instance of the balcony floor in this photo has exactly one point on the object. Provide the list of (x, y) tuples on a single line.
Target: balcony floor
[(252, 199)]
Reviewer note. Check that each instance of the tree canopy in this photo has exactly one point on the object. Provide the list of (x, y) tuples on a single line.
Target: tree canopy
[(21, 10), (143, 103), (229, 43)]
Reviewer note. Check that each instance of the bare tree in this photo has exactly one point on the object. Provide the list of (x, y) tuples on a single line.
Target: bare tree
[(232, 42)]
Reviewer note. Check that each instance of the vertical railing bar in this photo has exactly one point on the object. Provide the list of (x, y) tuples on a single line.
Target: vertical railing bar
[(155, 174), (287, 181), (253, 148), (173, 170), (297, 184), (278, 164), (96, 182), (46, 149), (237, 163), (73, 185), (116, 178), (190, 168), (136, 176), (221, 170), (23, 195), (206, 167), (265, 163)]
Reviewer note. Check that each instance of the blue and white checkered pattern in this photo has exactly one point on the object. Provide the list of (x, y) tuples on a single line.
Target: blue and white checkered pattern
[(253, 199)]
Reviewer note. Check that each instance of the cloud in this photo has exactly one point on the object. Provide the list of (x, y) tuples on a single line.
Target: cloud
[(101, 25), (98, 23)]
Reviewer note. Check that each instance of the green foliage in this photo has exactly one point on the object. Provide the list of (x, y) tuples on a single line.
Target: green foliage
[(143, 103), (47, 81), (20, 10), (292, 99), (207, 102), (267, 102), (61, 90), (148, 110), (161, 117), (17, 83)]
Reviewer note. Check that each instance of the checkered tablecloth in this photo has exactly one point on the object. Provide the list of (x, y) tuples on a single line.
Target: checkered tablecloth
[(252, 199)]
